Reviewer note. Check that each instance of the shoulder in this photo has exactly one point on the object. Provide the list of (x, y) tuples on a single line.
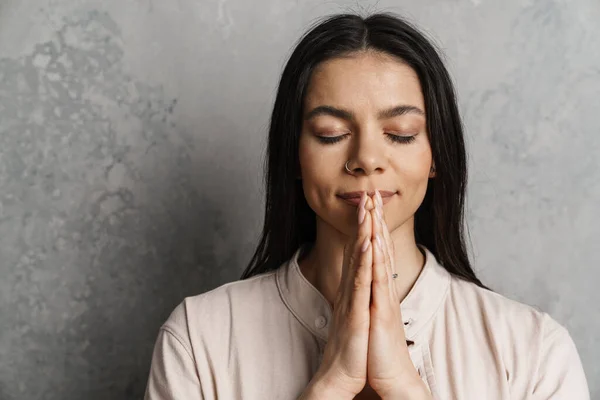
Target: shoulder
[(512, 316), (215, 307), (509, 326), (525, 337)]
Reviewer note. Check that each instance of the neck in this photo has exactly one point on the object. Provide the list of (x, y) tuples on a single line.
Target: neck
[(322, 264)]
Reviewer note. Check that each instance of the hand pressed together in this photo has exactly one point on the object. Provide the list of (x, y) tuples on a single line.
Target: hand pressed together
[(367, 351), (390, 371)]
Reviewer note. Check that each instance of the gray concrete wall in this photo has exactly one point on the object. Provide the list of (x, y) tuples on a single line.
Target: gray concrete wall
[(131, 141)]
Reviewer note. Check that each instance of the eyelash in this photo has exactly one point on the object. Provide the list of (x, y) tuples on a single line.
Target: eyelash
[(394, 138)]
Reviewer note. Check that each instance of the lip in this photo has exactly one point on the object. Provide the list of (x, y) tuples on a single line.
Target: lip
[(353, 198)]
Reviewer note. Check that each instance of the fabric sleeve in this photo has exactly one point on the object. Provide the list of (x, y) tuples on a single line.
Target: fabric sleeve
[(173, 373), (560, 374)]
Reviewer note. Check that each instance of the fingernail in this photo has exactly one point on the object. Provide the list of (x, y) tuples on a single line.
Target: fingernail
[(379, 199), (361, 215), (363, 200), (365, 245), (378, 240), (378, 213), (361, 208)]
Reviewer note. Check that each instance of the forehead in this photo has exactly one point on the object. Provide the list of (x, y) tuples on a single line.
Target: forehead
[(364, 80)]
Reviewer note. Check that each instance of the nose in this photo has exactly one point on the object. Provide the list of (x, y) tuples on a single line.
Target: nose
[(367, 155)]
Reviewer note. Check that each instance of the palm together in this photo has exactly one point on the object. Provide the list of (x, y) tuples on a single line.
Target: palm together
[(390, 371)]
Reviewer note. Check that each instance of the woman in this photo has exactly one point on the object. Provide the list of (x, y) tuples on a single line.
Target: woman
[(361, 286)]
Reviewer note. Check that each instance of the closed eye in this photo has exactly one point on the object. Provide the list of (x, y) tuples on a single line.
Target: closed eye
[(401, 139), (394, 138)]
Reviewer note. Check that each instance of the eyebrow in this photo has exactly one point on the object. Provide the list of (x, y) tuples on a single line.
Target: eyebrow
[(395, 111)]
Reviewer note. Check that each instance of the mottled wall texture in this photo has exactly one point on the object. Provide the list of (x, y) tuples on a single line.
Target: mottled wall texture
[(131, 142)]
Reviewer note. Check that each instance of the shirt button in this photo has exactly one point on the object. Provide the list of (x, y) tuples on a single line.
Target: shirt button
[(320, 322)]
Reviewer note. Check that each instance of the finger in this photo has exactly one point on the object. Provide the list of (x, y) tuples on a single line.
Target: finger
[(387, 235), (351, 254), (378, 229), (388, 245), (381, 279), (359, 282)]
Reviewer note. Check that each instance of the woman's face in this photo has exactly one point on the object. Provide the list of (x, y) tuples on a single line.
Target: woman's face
[(360, 121)]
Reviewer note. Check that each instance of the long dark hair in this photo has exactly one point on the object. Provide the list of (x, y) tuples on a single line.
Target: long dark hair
[(439, 221)]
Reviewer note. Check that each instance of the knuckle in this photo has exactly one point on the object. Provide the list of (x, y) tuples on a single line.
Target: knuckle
[(352, 259), (358, 284), (383, 278), (383, 282)]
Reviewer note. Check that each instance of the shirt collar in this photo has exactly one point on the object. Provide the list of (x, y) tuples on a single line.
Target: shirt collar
[(312, 309)]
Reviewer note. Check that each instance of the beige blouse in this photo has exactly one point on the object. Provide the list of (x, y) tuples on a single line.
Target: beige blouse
[(263, 338)]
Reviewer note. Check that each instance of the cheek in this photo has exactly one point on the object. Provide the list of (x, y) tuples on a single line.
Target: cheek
[(309, 160), (413, 171), (316, 173), (414, 165)]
